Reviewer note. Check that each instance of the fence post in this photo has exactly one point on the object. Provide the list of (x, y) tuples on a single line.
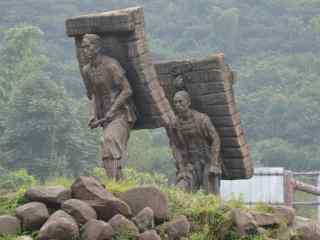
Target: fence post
[(318, 198), (288, 188)]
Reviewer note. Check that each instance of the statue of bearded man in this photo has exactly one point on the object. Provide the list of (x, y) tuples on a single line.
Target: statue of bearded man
[(112, 108)]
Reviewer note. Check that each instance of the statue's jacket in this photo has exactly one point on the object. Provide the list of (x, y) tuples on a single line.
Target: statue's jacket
[(103, 82), (195, 138)]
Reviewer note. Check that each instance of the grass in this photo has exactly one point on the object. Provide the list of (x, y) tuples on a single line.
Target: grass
[(8, 237), (10, 201), (209, 216)]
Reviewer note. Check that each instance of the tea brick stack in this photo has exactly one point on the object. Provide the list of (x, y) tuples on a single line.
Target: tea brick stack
[(124, 39), (210, 85)]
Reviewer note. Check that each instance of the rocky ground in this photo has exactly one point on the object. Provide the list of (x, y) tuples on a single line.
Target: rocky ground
[(88, 211)]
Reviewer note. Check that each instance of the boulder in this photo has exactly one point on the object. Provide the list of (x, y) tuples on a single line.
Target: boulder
[(111, 207), (149, 235), (283, 233), (175, 229), (52, 196), (79, 210), (32, 215), (60, 226), (284, 213), (147, 196), (88, 188), (266, 220), (244, 222), (262, 231), (300, 221), (97, 230), (9, 225), (144, 219), (306, 229), (105, 204), (123, 227)]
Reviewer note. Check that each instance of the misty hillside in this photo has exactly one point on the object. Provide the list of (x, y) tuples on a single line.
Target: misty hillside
[(273, 45)]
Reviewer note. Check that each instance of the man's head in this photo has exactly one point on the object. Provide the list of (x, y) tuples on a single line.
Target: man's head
[(91, 44), (182, 101)]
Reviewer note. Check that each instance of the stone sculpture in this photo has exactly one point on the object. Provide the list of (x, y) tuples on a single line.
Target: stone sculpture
[(120, 80), (209, 82), (151, 87), (111, 105), (196, 148), (124, 39)]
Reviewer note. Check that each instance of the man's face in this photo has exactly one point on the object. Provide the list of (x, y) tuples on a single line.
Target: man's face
[(181, 103), (89, 49)]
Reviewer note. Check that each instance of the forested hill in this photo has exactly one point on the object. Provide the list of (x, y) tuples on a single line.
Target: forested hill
[(187, 28), (274, 45)]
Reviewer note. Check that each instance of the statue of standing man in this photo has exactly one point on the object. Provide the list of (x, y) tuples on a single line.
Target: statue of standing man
[(112, 108), (196, 148)]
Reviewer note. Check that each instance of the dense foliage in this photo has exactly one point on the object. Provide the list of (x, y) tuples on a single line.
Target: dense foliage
[(273, 45)]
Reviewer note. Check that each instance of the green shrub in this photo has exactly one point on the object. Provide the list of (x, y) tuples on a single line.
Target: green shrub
[(9, 202), (132, 178), (145, 177), (124, 236), (110, 184), (199, 235), (210, 217), (263, 207), (12, 181), (59, 181), (8, 237)]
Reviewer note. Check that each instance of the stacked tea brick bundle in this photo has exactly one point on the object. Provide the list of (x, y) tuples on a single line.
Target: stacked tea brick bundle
[(209, 82), (124, 38)]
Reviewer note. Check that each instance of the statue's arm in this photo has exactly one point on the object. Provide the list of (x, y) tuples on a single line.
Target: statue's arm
[(125, 91), (176, 146), (213, 137), (92, 108), (86, 81)]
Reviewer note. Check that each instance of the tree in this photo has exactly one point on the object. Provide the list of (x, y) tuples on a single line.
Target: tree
[(21, 59), (279, 101), (146, 154), (277, 152), (41, 128), (42, 132), (273, 45)]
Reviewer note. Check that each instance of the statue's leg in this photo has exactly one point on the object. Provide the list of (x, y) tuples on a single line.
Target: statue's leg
[(114, 147), (198, 173), (183, 185), (214, 184), (119, 175), (113, 168)]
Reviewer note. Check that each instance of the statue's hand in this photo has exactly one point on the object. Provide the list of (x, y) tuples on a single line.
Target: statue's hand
[(109, 115), (89, 95), (93, 123), (169, 120), (215, 169)]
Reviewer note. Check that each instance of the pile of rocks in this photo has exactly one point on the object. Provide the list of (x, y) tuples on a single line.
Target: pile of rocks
[(281, 222), (88, 211)]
